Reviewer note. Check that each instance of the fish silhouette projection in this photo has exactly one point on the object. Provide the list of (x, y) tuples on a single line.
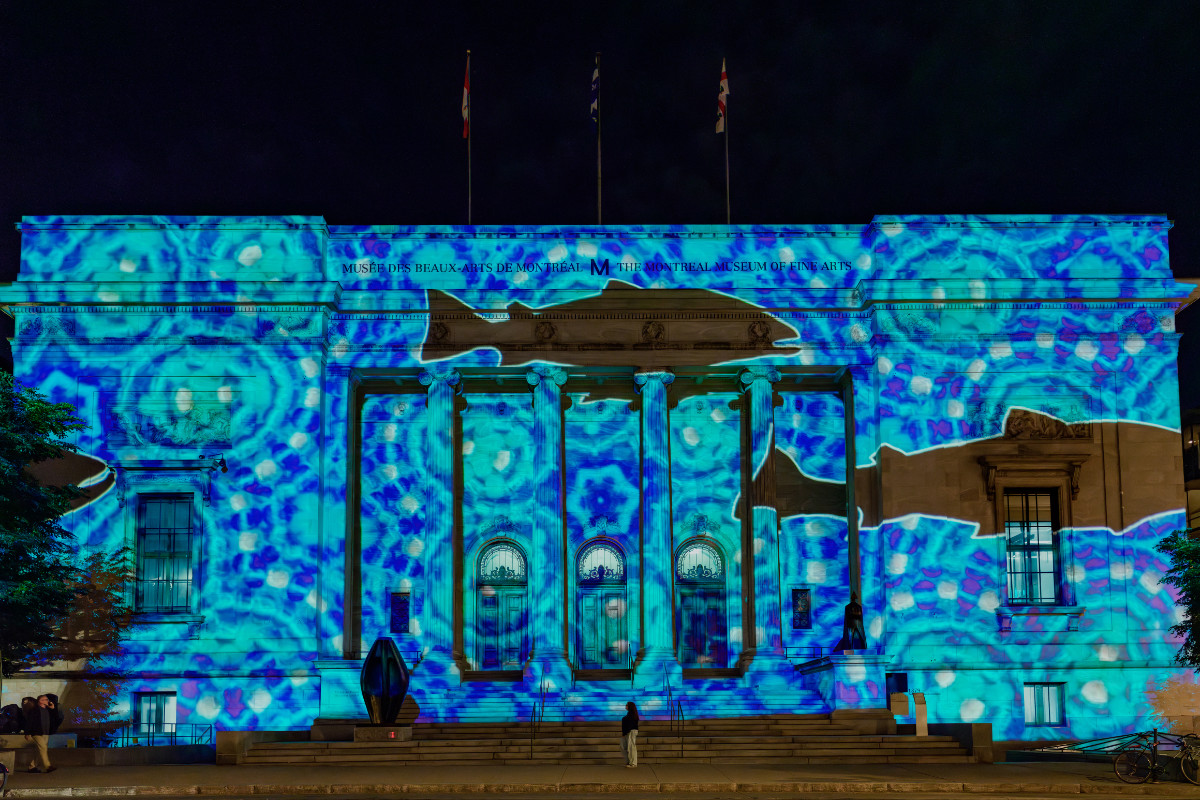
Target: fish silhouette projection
[(624, 325), (73, 469)]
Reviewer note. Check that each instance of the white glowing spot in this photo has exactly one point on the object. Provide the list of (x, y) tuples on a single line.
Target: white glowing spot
[(1044, 339), (988, 601), (298, 677), (335, 642), (759, 544), (910, 522), (414, 626), (737, 557), (891, 229), (944, 677), (260, 700), (277, 578), (208, 707), (250, 255), (691, 436), (876, 627), (586, 249), (390, 471), (310, 367), (1095, 692), (314, 600), (1000, 350), (1167, 323), (1181, 615), (340, 348), (265, 469), (883, 365), (971, 710), (312, 397), (814, 571), (1151, 581), (127, 265), (520, 277), (1087, 350), (1120, 570), (389, 432), (858, 333), (108, 297), (815, 527), (614, 608), (183, 399), (237, 502), (977, 290), (902, 600), (808, 356), (248, 540), (1134, 344), (298, 440), (817, 282), (955, 409), (409, 503), (557, 253), (500, 462), (405, 585), (855, 673), (735, 634), (948, 590), (468, 447), (488, 591), (921, 385), (1076, 573), (976, 369), (718, 414), (863, 261), (897, 563), (629, 260), (225, 394), (414, 547), (1109, 653), (787, 255), (938, 293)]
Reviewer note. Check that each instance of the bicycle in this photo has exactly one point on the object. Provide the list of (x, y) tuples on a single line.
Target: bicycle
[(1139, 762)]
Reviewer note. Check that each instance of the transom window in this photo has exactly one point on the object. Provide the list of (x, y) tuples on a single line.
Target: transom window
[(502, 563), (165, 529), (601, 563), (1031, 530), (699, 561)]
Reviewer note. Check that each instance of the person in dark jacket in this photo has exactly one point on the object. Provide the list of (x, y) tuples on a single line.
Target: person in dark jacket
[(40, 722), (629, 732)]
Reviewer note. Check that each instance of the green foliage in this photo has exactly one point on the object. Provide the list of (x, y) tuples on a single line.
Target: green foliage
[(1183, 550), (36, 552)]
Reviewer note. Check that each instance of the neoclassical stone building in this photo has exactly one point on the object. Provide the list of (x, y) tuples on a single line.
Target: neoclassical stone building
[(625, 462)]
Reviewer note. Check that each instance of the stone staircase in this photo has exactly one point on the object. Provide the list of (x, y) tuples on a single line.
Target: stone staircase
[(769, 739)]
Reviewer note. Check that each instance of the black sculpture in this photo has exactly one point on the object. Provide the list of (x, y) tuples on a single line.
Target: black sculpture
[(384, 681)]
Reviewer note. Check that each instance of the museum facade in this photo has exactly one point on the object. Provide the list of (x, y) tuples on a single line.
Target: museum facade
[(582, 465)]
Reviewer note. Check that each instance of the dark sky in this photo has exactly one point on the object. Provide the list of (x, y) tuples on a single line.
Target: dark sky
[(838, 111)]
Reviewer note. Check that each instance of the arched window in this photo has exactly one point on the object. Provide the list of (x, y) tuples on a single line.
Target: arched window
[(601, 563), (502, 563), (699, 562)]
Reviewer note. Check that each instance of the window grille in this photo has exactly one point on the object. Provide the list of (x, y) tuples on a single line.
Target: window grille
[(502, 563), (1030, 526), (801, 609), (1044, 704), (601, 563), (401, 607), (699, 561), (165, 529)]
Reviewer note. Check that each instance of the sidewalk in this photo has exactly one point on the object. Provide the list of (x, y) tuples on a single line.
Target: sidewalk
[(696, 780)]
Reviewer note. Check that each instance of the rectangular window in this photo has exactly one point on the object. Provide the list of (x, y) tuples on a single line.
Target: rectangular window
[(165, 528), (1031, 531), (401, 603), (154, 712), (1044, 704), (801, 609)]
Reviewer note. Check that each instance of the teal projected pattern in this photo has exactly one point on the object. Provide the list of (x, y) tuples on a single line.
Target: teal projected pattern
[(247, 336)]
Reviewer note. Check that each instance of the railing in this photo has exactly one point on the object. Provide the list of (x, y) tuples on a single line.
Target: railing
[(158, 735), (806, 653), (1111, 745), (677, 719), (536, 712)]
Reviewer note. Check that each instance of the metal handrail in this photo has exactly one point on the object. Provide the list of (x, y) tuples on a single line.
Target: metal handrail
[(1114, 744), (159, 734), (536, 713)]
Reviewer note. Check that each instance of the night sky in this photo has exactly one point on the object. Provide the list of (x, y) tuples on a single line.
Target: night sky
[(837, 112)]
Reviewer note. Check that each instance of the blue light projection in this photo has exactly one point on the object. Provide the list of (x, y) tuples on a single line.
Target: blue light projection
[(389, 399)]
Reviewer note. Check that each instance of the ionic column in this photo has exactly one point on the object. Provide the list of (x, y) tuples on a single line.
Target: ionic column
[(766, 652), (656, 658), (437, 626), (547, 666)]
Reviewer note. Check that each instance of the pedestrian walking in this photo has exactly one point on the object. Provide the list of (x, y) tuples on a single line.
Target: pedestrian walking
[(40, 722), (629, 733)]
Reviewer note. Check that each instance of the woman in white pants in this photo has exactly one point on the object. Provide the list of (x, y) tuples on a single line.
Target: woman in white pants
[(629, 732)]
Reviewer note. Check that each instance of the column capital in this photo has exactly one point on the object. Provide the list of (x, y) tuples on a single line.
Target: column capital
[(751, 374), (446, 375), (640, 379), (546, 374)]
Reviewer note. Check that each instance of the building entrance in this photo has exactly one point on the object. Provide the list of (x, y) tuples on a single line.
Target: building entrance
[(602, 640), (700, 622), (502, 639)]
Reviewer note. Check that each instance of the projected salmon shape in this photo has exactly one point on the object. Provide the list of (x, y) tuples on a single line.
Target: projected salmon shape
[(952, 481), (72, 469), (622, 326)]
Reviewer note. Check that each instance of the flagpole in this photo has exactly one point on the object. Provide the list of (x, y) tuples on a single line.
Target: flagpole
[(599, 197), (469, 134), (727, 215)]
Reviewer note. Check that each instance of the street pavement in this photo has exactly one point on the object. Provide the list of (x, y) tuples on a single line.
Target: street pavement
[(694, 781)]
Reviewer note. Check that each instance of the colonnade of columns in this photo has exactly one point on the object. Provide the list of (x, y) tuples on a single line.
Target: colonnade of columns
[(548, 661)]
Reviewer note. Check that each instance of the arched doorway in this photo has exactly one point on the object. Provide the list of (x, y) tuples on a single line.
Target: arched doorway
[(502, 638), (700, 627), (602, 640)]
